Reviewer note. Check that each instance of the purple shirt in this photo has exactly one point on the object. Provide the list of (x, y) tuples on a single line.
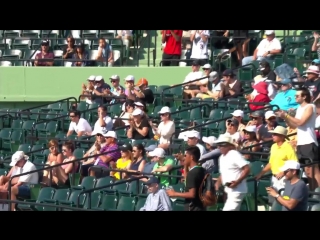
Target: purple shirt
[(114, 155), (48, 55)]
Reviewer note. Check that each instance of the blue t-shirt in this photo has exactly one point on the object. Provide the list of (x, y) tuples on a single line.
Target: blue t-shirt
[(285, 100), (298, 191)]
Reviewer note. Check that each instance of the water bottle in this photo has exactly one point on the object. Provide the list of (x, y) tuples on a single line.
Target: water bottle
[(171, 188)]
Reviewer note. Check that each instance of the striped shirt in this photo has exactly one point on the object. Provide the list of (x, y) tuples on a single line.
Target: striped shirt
[(158, 201), (115, 155)]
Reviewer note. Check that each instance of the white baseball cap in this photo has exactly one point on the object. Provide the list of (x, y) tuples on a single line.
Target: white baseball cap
[(269, 32), (17, 156), (206, 66), (138, 104), (269, 114), (137, 112), (290, 164), (238, 113), (98, 78), (251, 128), (193, 134), (111, 134), (158, 152), (129, 78), (210, 140), (164, 110), (92, 78), (213, 76), (115, 77)]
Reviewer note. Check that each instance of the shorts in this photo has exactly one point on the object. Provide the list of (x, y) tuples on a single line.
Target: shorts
[(24, 191), (100, 171), (307, 153)]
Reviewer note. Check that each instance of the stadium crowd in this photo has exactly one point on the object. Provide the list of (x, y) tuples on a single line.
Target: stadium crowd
[(265, 129)]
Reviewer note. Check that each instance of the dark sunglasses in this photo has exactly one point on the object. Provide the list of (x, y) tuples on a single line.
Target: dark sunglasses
[(113, 81)]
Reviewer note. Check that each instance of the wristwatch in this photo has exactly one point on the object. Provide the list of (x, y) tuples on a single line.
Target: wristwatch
[(277, 196)]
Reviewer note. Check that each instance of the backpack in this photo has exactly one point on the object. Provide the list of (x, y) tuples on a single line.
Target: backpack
[(207, 191)]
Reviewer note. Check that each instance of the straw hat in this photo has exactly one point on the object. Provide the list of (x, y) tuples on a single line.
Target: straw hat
[(280, 130), (224, 139)]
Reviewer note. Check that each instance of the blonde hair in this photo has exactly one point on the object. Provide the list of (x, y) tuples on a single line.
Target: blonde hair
[(53, 143)]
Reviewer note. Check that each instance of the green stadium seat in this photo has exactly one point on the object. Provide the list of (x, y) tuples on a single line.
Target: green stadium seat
[(79, 152), (256, 167), (16, 139), (12, 54), (315, 207), (126, 204), (114, 110), (104, 182), (24, 147), (140, 204), (16, 124), (59, 195), (95, 200), (178, 206), (45, 193), (215, 114), (21, 44), (108, 202), (153, 88), (117, 188), (88, 182), (73, 198), (60, 135), (31, 33), (82, 106), (5, 134), (262, 192), (3, 172), (131, 190)]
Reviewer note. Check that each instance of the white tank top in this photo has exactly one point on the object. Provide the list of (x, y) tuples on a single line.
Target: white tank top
[(306, 133)]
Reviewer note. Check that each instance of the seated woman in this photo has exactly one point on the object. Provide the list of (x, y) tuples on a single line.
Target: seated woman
[(259, 95), (165, 129), (81, 54), (4, 179), (139, 126), (54, 157), (99, 143), (127, 109), (123, 163), (60, 175), (250, 140), (138, 162)]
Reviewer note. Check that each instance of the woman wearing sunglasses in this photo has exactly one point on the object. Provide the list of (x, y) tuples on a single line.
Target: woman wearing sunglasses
[(60, 174), (138, 161), (54, 157), (123, 163)]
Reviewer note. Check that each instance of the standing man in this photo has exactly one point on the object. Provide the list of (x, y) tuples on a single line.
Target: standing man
[(295, 195), (307, 144), (194, 177), (172, 49), (157, 199), (234, 170), (281, 151)]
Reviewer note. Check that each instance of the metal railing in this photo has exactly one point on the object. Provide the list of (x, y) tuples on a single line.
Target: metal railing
[(58, 101)]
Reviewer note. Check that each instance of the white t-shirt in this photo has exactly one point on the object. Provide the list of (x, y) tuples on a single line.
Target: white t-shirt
[(265, 46), (306, 133), (82, 126), (317, 122), (165, 131), (97, 128), (231, 166), (200, 48), (29, 178), (235, 137), (193, 76), (201, 148)]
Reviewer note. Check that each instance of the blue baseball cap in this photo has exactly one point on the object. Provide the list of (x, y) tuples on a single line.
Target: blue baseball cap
[(228, 72), (152, 180), (316, 61), (285, 81)]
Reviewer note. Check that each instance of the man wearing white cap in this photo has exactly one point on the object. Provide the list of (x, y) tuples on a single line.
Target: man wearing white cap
[(234, 170), (238, 114), (101, 89), (129, 84), (213, 154), (313, 83), (296, 194), (192, 138), (22, 189), (266, 49), (210, 87), (166, 127), (163, 165), (112, 154), (116, 89)]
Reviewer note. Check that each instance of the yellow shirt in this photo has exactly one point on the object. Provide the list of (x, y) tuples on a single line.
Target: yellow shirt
[(280, 154), (121, 165)]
